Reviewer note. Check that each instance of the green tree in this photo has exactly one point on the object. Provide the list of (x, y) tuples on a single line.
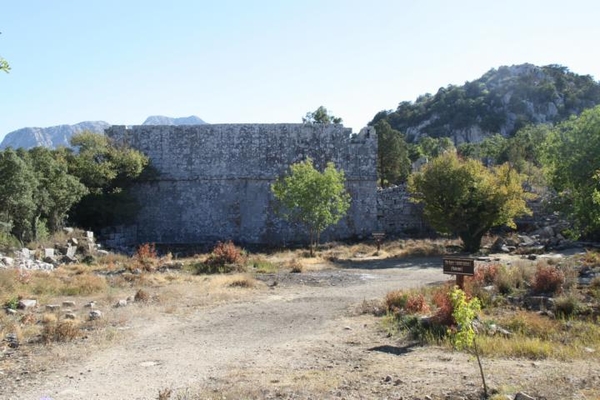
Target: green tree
[(464, 312), (321, 116), (434, 147), (57, 190), (572, 159), (312, 198), (465, 198), (17, 187), (107, 171), (393, 164)]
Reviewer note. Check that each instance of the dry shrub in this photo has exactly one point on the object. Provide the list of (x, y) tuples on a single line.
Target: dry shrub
[(227, 257), (567, 306), (591, 258), (416, 304), (375, 307), (547, 279), (442, 300), (486, 274), (141, 296), (146, 257), (242, 281), (164, 394), (571, 273), (521, 273), (60, 331), (295, 266), (395, 300)]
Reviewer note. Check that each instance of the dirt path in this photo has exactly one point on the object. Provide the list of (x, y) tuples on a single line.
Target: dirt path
[(300, 338), (173, 350)]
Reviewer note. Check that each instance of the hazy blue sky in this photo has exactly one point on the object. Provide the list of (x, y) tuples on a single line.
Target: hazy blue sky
[(268, 61)]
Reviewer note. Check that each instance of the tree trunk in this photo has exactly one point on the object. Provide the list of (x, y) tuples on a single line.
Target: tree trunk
[(471, 241)]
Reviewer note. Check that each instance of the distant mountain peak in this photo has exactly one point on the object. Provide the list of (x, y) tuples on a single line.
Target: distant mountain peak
[(162, 120), (52, 137)]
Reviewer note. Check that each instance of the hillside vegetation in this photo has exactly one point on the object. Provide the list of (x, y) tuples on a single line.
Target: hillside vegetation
[(502, 101)]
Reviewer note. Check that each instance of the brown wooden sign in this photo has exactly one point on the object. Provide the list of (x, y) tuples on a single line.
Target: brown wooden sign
[(459, 266)]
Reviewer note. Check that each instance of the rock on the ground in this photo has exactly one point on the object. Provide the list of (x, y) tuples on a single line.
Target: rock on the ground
[(121, 303), (27, 303), (523, 396), (95, 314), (68, 304), (8, 261)]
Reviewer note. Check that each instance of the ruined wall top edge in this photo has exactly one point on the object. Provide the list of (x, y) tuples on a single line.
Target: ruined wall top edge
[(249, 151)]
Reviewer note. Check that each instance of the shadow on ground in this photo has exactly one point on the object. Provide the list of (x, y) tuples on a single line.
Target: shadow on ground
[(395, 350), (398, 263)]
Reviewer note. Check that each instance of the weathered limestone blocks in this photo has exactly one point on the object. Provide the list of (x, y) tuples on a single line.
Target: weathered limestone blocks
[(214, 180)]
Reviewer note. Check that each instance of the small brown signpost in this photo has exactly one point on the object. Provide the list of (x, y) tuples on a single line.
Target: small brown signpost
[(459, 266), (378, 236)]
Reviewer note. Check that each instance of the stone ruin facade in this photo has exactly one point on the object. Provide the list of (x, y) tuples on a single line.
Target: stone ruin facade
[(214, 180)]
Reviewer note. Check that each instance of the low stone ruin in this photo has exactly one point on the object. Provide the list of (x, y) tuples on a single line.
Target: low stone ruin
[(78, 247)]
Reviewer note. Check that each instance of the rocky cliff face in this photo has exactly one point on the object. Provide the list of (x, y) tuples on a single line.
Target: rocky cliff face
[(52, 137), (502, 101)]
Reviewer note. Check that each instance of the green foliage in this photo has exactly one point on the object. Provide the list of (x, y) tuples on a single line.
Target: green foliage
[(507, 98), (107, 171), (17, 191), (572, 158), (321, 116), (311, 198), (434, 147), (393, 163), (465, 198), (57, 190), (464, 313), (4, 66)]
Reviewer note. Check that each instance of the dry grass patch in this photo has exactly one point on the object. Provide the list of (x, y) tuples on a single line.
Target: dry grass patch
[(55, 330), (233, 281)]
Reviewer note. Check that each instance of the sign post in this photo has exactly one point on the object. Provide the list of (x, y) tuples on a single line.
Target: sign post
[(459, 266), (378, 236)]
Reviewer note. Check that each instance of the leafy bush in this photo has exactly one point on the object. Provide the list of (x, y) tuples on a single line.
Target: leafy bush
[(547, 279)]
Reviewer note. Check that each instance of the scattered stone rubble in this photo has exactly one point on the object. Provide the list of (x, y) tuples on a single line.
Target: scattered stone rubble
[(547, 238), (78, 246)]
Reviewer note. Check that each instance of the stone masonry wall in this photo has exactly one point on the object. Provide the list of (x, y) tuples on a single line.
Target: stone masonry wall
[(397, 214), (214, 181)]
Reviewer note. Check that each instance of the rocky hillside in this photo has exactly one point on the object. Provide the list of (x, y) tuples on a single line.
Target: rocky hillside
[(161, 120), (501, 101), (52, 137)]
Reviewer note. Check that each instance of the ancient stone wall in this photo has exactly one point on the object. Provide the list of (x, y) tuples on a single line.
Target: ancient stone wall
[(214, 180), (397, 214)]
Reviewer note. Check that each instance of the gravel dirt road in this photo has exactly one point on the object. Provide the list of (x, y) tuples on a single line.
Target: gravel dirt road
[(298, 336)]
